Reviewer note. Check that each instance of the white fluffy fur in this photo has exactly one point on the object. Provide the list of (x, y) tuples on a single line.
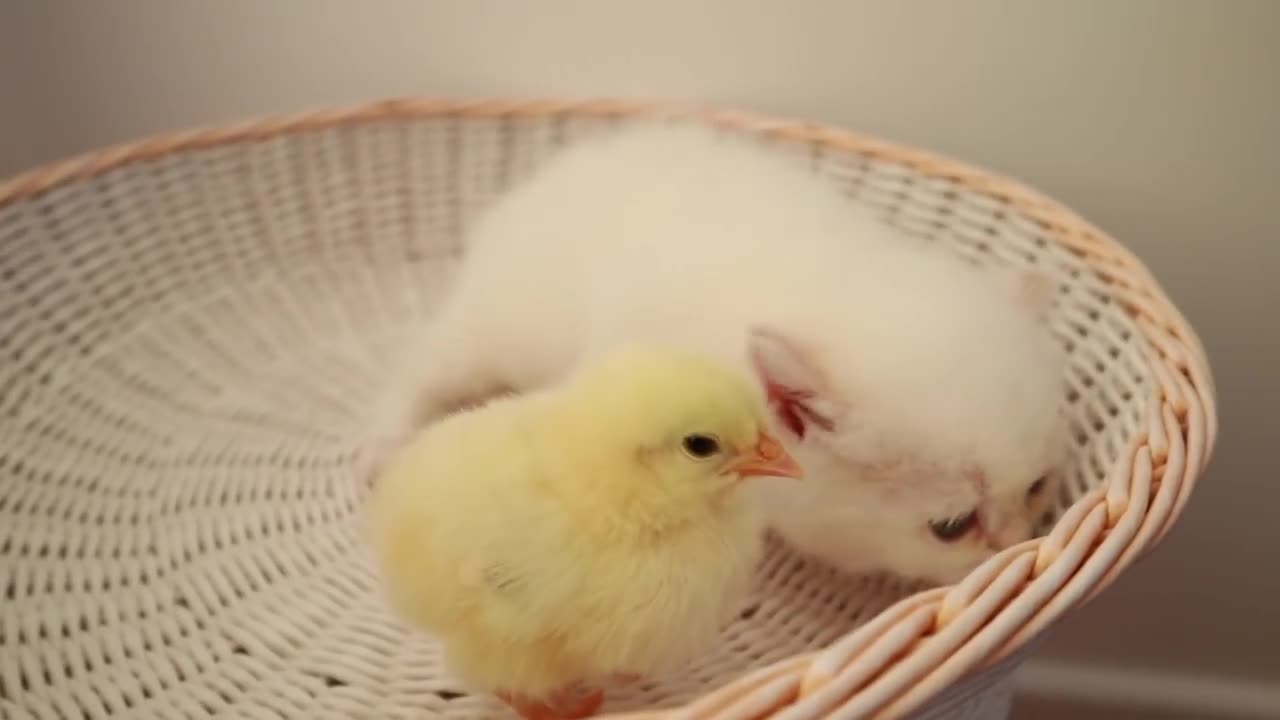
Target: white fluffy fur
[(939, 379)]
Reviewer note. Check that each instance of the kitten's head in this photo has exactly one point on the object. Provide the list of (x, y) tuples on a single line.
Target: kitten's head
[(927, 452)]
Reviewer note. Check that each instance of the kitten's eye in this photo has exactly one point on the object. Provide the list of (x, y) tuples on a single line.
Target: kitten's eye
[(700, 447), (1037, 487), (954, 528)]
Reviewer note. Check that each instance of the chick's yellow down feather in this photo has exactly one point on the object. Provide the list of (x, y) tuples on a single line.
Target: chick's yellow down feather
[(593, 529)]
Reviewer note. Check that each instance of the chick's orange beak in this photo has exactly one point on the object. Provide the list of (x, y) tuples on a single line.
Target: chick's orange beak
[(767, 459)]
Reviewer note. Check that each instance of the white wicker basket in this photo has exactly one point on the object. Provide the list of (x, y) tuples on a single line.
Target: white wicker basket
[(191, 328)]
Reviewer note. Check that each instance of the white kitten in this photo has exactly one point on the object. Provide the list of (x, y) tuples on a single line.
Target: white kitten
[(920, 392)]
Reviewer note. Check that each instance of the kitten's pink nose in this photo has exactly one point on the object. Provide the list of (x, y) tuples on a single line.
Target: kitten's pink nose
[(1007, 531)]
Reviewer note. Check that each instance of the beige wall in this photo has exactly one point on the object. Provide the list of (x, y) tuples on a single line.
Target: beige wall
[(1156, 119)]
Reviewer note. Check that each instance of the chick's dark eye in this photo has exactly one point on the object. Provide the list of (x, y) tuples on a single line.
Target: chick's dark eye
[(700, 446), (953, 528)]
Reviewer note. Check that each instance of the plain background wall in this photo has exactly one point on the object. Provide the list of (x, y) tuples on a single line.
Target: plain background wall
[(1155, 119)]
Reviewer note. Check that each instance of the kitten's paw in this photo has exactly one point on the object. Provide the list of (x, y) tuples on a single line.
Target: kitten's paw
[(373, 455)]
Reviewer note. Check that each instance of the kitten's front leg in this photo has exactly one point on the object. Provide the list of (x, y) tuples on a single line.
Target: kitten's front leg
[(443, 373), (425, 405)]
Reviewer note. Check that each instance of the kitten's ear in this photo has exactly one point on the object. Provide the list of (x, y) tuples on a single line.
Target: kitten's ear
[(794, 384), (1033, 290), (780, 360)]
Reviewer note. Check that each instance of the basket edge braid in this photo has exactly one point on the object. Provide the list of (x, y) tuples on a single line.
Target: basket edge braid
[(896, 663)]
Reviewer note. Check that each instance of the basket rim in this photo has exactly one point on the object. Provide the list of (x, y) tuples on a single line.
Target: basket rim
[(903, 657)]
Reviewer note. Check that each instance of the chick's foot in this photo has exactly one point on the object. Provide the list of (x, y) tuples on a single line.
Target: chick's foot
[(572, 703)]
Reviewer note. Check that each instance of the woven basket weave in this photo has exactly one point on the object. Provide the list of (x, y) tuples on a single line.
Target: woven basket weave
[(192, 329)]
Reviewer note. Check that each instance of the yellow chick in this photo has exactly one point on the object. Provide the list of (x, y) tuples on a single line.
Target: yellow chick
[(584, 532)]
